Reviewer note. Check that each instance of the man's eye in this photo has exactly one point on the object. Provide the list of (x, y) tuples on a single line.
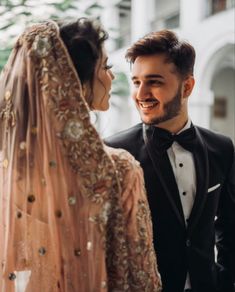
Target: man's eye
[(136, 84), (155, 82)]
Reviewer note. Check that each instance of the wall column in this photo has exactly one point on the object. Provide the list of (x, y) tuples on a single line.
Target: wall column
[(140, 24), (188, 20)]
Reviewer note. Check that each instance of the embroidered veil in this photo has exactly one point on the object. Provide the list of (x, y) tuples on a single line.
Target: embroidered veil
[(73, 213)]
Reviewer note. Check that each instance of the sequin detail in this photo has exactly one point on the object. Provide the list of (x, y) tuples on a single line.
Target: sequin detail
[(72, 201), (31, 198), (42, 251), (89, 245), (23, 145), (77, 252)]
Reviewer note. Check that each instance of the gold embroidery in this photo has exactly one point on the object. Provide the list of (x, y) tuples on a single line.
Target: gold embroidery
[(34, 130), (41, 46), (7, 95), (5, 163), (23, 145), (125, 251), (8, 113), (70, 115)]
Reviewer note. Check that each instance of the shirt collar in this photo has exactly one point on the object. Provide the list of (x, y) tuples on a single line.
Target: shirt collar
[(187, 126)]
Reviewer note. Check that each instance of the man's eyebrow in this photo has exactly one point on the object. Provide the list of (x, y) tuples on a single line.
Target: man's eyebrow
[(149, 76)]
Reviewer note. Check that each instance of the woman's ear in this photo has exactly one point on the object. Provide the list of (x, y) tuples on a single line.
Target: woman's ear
[(188, 85)]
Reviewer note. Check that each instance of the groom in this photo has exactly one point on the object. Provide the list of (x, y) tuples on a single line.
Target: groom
[(189, 171)]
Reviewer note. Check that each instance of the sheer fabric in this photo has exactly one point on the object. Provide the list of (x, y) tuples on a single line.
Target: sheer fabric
[(73, 213)]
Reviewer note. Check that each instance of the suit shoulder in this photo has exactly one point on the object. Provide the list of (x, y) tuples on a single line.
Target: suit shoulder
[(125, 139), (210, 134), (215, 139)]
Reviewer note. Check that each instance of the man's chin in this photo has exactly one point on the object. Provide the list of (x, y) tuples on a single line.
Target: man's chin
[(150, 121)]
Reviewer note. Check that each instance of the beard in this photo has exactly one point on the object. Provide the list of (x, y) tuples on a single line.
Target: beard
[(170, 110)]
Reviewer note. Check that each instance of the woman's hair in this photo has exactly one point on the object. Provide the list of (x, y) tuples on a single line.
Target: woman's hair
[(84, 39), (178, 52)]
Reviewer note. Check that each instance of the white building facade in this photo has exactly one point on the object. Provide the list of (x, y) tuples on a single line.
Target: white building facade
[(208, 25)]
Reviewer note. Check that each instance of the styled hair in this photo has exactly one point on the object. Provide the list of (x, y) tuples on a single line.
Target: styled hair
[(166, 42), (84, 39)]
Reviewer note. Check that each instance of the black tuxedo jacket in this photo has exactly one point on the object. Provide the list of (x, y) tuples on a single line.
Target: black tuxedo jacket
[(212, 221)]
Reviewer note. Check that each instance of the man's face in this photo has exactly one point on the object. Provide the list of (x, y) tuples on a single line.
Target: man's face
[(157, 89)]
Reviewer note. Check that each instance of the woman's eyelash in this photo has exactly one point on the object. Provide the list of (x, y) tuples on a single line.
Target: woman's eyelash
[(107, 67)]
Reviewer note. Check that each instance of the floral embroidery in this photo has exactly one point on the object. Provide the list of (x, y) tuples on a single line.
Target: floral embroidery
[(101, 220), (73, 130), (41, 46)]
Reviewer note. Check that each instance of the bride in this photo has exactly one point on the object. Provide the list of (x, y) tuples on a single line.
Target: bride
[(73, 213)]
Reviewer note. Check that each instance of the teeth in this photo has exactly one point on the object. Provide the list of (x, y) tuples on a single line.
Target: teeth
[(148, 104)]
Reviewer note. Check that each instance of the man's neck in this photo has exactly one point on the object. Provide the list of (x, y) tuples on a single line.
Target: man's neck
[(174, 125)]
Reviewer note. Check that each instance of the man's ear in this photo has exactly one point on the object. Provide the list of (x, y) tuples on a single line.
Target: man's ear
[(188, 85)]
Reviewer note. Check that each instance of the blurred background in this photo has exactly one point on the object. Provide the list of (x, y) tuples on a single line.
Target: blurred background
[(209, 25)]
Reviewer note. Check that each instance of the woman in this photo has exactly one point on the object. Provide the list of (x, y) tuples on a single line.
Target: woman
[(74, 215)]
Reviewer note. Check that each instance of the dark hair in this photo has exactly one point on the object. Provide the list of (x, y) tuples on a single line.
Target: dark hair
[(180, 53), (84, 39)]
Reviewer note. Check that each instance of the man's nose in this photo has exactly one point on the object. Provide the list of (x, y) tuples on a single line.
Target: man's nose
[(143, 92)]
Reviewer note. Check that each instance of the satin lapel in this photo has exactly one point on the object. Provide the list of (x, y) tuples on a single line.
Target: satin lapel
[(202, 176), (167, 179)]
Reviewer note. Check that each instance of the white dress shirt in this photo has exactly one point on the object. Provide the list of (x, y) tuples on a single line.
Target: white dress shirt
[(183, 166)]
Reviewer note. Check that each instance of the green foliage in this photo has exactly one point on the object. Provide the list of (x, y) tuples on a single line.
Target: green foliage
[(4, 53), (15, 15), (120, 85)]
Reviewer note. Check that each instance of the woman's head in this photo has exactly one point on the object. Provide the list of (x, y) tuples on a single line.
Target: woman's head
[(84, 40)]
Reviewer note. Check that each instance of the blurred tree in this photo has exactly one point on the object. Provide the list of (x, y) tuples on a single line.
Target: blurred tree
[(120, 79), (16, 14)]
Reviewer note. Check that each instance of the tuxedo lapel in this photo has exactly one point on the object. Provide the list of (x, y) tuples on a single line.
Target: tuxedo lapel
[(167, 179), (202, 175)]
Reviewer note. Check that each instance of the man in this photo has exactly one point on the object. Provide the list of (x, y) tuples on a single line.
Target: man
[(189, 171)]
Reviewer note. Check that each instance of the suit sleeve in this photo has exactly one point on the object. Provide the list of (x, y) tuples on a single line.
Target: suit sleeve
[(225, 232)]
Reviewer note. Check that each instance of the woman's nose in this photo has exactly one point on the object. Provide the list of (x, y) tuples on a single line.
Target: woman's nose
[(112, 75)]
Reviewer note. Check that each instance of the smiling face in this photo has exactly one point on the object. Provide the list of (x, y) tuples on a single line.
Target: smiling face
[(159, 92), (102, 84)]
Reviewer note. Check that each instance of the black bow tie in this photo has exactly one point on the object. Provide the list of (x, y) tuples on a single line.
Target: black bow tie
[(163, 139)]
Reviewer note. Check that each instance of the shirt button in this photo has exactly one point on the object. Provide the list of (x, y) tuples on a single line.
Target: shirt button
[(181, 165), (184, 193), (188, 243)]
